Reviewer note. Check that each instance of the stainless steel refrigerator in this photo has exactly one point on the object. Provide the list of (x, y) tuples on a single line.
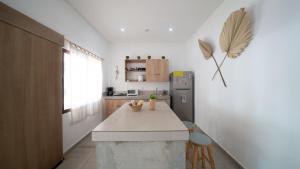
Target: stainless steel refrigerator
[(182, 94)]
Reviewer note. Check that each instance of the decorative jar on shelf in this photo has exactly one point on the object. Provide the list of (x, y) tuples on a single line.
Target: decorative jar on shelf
[(140, 78)]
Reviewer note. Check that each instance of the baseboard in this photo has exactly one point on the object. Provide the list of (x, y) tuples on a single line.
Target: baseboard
[(220, 145), (58, 164)]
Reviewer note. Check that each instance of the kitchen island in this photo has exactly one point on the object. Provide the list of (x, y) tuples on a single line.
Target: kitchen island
[(141, 140)]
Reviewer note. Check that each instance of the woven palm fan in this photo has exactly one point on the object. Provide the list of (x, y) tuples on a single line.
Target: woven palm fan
[(236, 34), (208, 53)]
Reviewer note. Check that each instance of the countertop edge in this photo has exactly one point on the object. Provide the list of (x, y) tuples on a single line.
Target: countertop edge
[(141, 136)]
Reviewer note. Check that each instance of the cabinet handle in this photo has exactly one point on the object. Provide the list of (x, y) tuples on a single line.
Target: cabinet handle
[(157, 74)]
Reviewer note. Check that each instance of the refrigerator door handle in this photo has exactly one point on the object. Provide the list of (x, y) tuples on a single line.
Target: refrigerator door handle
[(183, 98)]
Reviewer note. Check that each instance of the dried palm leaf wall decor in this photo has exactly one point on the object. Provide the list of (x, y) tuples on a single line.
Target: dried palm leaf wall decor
[(208, 53), (236, 35)]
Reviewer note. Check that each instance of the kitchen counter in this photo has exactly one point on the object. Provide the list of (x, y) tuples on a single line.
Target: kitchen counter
[(139, 97), (146, 139), (112, 103), (126, 125)]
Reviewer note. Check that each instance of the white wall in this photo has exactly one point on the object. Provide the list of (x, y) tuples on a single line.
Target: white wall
[(175, 52), (59, 16), (256, 119)]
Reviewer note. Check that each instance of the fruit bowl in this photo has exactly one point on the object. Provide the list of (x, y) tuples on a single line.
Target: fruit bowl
[(136, 106)]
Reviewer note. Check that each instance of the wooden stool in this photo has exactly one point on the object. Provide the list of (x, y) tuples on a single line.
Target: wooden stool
[(204, 142), (191, 126)]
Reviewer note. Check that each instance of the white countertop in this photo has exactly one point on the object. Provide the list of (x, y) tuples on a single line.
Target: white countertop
[(126, 125)]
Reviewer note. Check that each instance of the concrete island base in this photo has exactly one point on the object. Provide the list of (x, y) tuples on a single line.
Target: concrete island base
[(141, 155)]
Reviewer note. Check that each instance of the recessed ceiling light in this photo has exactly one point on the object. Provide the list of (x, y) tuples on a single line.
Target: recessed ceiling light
[(171, 30), (122, 29)]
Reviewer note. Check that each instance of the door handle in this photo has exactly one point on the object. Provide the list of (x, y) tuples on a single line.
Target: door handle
[(183, 98)]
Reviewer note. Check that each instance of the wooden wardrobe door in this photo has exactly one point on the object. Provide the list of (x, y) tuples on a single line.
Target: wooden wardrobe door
[(30, 100), (44, 87), (14, 47)]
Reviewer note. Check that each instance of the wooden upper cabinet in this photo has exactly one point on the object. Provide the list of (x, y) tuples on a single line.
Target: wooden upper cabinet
[(157, 70)]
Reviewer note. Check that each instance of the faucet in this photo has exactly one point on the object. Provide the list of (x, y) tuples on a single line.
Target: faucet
[(156, 91)]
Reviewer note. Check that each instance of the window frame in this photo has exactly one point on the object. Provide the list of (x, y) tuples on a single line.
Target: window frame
[(64, 51)]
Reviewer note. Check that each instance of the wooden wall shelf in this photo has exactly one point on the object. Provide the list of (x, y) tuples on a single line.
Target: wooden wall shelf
[(136, 70), (156, 70)]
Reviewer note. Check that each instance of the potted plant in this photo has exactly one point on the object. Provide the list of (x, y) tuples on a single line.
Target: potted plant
[(152, 101)]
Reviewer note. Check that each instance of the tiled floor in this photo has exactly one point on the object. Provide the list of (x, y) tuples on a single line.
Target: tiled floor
[(83, 156)]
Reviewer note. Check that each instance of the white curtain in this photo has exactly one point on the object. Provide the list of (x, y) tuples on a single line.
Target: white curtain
[(83, 83)]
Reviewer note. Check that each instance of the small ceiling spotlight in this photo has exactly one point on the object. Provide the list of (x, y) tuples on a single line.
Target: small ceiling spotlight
[(122, 29), (171, 29)]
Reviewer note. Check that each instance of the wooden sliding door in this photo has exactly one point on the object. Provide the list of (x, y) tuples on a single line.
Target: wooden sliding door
[(30, 93)]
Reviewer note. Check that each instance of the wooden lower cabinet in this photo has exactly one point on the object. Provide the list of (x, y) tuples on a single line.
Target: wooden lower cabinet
[(112, 105)]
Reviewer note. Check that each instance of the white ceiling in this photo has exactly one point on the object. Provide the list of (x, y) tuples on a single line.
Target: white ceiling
[(109, 16)]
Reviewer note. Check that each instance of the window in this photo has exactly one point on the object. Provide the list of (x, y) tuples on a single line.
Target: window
[(82, 83), (66, 82)]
